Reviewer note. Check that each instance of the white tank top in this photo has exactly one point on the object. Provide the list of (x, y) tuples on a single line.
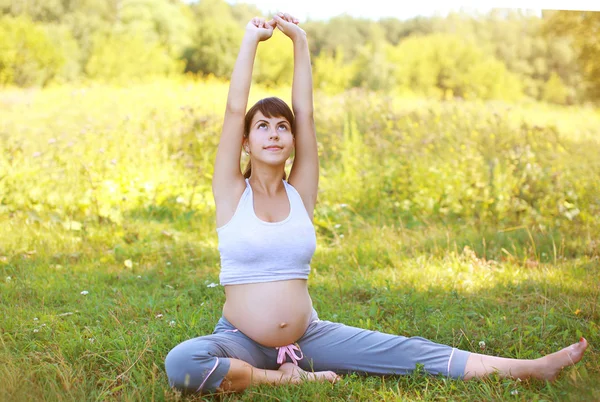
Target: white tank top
[(253, 250)]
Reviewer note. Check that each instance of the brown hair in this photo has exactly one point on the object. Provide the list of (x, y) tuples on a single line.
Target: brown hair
[(269, 107)]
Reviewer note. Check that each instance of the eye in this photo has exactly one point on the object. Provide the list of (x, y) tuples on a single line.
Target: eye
[(261, 125), (282, 127)]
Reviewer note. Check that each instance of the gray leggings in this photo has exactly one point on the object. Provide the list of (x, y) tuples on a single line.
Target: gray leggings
[(200, 364)]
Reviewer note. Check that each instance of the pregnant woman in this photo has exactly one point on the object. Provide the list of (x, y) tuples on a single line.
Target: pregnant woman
[(269, 331)]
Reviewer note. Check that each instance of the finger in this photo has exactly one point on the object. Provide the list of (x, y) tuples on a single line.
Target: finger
[(272, 23), (279, 19), (288, 17)]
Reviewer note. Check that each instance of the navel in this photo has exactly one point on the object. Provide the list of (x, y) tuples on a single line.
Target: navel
[(283, 325)]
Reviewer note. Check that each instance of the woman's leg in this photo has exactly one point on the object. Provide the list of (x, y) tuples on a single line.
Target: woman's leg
[(544, 368), (201, 364), (241, 375), (344, 349), (228, 360)]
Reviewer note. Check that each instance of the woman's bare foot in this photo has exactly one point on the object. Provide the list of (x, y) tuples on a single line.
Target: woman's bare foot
[(551, 365), (296, 375)]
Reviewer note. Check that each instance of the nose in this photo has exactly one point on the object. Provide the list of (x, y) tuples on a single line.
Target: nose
[(274, 134)]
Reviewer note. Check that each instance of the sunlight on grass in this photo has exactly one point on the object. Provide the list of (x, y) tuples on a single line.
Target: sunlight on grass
[(472, 224)]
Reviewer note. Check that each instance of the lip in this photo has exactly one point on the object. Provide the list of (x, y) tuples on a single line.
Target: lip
[(273, 148)]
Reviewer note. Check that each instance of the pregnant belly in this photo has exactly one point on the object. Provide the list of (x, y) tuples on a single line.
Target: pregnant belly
[(270, 313)]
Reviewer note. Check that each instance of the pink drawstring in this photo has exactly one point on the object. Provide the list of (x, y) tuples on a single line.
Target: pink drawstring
[(289, 350)]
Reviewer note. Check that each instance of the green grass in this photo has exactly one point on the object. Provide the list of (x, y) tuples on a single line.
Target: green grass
[(412, 240), (58, 344)]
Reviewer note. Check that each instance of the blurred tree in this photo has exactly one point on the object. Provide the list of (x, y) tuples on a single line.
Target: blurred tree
[(331, 74), (62, 39), (555, 90), (582, 28), (158, 21), (371, 66), (124, 57), (36, 10), (341, 32), (27, 55), (396, 30), (275, 61), (445, 65), (217, 39), (244, 12)]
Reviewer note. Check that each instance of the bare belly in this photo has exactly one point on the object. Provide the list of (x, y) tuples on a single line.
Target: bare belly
[(270, 313)]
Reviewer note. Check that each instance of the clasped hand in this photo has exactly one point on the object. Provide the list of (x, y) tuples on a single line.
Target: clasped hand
[(263, 29)]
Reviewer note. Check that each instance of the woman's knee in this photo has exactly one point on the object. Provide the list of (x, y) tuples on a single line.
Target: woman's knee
[(190, 364)]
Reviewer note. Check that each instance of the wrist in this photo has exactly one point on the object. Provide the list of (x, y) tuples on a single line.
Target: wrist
[(250, 38), (300, 38)]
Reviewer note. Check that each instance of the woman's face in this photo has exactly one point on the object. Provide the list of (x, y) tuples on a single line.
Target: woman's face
[(270, 139)]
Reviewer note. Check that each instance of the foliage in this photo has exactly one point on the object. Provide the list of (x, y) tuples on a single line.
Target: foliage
[(581, 28), (444, 65), (515, 52), (331, 74), (555, 90), (274, 64), (27, 55), (217, 39), (121, 57)]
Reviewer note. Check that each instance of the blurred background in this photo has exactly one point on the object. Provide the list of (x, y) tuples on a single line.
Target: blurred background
[(473, 122), (507, 54)]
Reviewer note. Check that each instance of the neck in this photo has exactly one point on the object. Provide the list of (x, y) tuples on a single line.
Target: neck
[(267, 182)]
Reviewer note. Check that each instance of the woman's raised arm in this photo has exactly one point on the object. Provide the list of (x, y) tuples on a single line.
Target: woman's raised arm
[(227, 174), (304, 175)]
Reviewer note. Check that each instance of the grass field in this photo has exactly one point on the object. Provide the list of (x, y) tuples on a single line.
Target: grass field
[(457, 221)]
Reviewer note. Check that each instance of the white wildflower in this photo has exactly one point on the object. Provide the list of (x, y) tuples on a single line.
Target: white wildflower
[(514, 392), (91, 340), (168, 262), (481, 345), (84, 292), (341, 236), (343, 205), (36, 330), (139, 277), (212, 285), (337, 226), (35, 318), (169, 286), (171, 323), (158, 316), (128, 263), (8, 279)]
